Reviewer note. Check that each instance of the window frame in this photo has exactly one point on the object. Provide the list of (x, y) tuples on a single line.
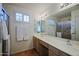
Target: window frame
[(23, 14), (26, 21)]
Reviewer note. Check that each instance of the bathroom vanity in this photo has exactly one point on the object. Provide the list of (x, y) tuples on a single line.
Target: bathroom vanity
[(47, 45)]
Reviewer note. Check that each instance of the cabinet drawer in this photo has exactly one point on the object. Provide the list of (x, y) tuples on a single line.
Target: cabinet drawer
[(52, 53), (63, 53), (56, 52), (53, 50), (44, 43)]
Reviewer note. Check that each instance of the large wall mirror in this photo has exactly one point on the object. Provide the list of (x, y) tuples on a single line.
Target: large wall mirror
[(40, 26), (63, 29)]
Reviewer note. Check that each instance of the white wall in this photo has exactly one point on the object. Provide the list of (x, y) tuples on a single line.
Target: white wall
[(75, 24), (34, 10), (23, 45)]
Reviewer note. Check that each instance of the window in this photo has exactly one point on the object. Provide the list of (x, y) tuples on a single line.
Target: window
[(22, 17), (51, 22), (38, 26), (18, 17), (26, 18)]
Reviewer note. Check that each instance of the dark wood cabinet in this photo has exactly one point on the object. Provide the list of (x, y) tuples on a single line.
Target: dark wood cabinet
[(44, 49), (36, 44), (44, 43), (39, 47), (53, 51), (56, 52)]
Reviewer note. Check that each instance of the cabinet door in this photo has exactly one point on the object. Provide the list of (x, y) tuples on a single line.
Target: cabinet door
[(43, 50), (36, 44), (53, 51)]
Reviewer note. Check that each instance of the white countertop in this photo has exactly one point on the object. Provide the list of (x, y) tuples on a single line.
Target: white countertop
[(71, 48)]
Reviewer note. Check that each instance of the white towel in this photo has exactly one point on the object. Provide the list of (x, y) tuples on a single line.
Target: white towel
[(19, 33), (4, 30), (22, 33)]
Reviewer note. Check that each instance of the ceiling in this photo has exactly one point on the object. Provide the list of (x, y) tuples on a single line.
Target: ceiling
[(36, 7)]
